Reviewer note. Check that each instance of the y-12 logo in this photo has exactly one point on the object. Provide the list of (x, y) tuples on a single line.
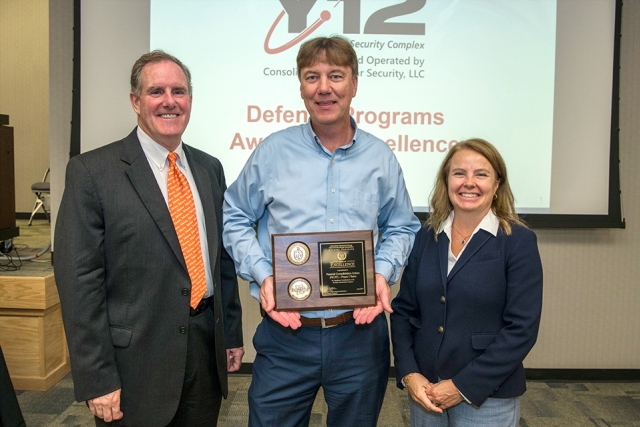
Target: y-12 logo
[(376, 23)]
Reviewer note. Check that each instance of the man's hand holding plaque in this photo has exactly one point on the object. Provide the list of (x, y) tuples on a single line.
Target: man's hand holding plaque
[(290, 319), (366, 315)]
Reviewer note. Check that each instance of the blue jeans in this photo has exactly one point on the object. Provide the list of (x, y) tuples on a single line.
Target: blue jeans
[(492, 413), (350, 362)]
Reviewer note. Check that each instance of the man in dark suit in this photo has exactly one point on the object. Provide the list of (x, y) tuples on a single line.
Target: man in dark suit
[(153, 322)]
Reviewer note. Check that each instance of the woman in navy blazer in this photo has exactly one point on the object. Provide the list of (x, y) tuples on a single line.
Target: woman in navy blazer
[(469, 304)]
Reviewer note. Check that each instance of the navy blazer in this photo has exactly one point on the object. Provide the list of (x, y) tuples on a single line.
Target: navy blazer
[(475, 325)]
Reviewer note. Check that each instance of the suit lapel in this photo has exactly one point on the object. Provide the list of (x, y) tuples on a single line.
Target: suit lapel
[(146, 186), (474, 245), (205, 190)]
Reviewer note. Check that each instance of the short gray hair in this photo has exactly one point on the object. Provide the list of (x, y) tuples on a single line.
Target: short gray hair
[(154, 57)]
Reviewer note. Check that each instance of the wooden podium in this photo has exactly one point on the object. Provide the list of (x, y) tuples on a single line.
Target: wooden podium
[(31, 332)]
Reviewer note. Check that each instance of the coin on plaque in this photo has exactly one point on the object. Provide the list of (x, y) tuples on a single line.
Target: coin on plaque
[(299, 289), (298, 253)]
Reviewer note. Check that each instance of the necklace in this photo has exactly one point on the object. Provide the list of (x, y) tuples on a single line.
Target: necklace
[(464, 239)]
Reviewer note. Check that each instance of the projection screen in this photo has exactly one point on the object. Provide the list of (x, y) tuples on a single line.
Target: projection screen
[(534, 77)]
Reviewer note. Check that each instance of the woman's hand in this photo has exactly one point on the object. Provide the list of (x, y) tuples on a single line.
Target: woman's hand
[(417, 386), (444, 394)]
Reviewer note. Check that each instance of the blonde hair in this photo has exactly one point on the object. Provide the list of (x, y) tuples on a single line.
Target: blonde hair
[(503, 205)]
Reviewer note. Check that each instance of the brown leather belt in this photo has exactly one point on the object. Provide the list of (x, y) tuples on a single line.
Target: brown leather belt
[(322, 322)]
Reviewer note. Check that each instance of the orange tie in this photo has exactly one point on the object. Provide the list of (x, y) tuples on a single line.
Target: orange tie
[(183, 215)]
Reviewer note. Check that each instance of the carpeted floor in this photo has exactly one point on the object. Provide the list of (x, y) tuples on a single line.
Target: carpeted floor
[(546, 404), (32, 240)]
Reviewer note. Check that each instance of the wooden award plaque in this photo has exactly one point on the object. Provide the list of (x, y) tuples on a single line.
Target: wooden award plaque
[(314, 271)]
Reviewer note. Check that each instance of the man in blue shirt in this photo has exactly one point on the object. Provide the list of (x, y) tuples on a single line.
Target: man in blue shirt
[(323, 176)]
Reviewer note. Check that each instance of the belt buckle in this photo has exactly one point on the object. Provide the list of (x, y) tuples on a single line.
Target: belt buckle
[(324, 325), (202, 305)]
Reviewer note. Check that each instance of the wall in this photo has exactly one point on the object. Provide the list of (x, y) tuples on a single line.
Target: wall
[(24, 90), (592, 277), (592, 285), (60, 86)]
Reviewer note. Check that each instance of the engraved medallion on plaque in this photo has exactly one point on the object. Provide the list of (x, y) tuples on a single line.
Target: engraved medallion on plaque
[(298, 253), (299, 289)]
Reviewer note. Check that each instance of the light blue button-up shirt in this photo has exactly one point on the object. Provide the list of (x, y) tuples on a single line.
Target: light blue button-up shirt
[(293, 184)]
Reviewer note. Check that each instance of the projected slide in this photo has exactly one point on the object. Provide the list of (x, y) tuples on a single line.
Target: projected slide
[(430, 73)]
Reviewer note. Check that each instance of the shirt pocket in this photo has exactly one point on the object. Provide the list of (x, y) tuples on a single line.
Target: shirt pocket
[(365, 208)]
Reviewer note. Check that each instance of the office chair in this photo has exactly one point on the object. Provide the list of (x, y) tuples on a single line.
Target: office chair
[(40, 189)]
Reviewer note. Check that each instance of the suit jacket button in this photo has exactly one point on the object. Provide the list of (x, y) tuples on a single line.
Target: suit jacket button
[(443, 299), (183, 329), (440, 329), (185, 292)]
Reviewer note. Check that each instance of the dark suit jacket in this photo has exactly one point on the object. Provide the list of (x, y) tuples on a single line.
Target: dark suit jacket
[(488, 306), (123, 282), (10, 413)]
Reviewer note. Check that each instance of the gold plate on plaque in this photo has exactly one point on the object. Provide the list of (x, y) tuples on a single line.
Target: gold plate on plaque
[(298, 253), (299, 289)]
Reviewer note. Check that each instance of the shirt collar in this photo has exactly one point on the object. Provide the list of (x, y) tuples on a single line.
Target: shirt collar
[(489, 223), (319, 145), (156, 152)]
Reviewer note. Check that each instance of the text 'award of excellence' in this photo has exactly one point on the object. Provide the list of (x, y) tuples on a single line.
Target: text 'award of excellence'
[(323, 270)]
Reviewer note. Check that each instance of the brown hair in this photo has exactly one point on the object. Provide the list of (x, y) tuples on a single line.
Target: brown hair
[(334, 50), (503, 206), (154, 57)]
